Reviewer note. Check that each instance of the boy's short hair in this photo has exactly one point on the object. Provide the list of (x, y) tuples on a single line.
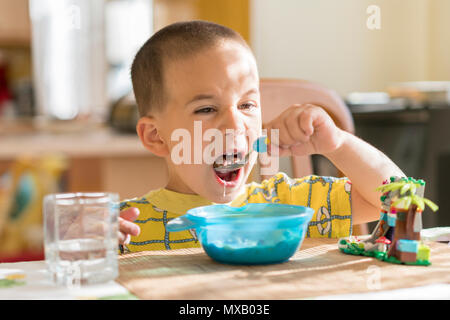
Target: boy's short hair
[(175, 41)]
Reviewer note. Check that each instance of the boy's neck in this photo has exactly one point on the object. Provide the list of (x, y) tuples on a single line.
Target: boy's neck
[(176, 186)]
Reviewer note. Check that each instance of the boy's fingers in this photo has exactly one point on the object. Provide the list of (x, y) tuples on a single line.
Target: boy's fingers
[(306, 121), (292, 131), (129, 214), (272, 147), (124, 238), (128, 227), (285, 138), (295, 130)]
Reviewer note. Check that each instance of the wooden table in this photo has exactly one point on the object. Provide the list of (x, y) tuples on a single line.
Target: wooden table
[(318, 269)]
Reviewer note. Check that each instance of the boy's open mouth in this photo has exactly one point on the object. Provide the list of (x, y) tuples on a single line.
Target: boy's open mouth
[(228, 167)]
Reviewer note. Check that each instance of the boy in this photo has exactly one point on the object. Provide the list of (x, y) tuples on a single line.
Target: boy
[(201, 72)]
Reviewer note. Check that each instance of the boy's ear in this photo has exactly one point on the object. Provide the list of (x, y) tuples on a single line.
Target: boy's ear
[(150, 138)]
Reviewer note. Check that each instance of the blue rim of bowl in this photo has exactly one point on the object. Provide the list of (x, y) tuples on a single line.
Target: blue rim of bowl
[(235, 212)]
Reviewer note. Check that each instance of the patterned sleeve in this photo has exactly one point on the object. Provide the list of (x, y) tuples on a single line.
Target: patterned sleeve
[(154, 236), (330, 198)]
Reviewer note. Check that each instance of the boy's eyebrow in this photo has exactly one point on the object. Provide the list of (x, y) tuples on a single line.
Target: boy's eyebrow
[(200, 96), (203, 96), (252, 90)]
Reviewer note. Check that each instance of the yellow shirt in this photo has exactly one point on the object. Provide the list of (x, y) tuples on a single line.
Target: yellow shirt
[(329, 197)]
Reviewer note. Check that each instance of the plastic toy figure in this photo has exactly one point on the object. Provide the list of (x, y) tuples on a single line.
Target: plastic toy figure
[(396, 238)]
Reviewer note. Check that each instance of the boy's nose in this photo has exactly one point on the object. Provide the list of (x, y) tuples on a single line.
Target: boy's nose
[(233, 128), (232, 120)]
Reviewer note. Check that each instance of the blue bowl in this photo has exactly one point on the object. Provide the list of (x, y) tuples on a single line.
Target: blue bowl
[(257, 233)]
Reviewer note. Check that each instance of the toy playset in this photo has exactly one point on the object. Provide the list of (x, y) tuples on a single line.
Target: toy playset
[(396, 238)]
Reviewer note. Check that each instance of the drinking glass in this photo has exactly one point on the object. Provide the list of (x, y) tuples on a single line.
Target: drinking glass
[(81, 237)]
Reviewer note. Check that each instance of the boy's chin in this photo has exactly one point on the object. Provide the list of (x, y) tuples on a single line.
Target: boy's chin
[(229, 196)]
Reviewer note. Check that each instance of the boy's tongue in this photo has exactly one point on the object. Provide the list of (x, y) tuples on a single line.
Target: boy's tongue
[(227, 176), (222, 163)]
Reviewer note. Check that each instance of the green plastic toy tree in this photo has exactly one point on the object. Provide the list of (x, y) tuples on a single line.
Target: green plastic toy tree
[(407, 205)]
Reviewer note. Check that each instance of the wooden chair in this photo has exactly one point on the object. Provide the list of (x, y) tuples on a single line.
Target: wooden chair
[(279, 94)]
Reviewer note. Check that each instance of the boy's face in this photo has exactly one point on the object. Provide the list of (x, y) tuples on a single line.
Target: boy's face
[(219, 89)]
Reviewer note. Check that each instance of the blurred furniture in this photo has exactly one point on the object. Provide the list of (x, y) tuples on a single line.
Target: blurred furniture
[(124, 114), (98, 159), (231, 13), (416, 138), (92, 160), (279, 94), (22, 188), (443, 168), (15, 30)]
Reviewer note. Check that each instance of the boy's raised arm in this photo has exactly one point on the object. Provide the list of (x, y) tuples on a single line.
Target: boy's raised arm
[(308, 129), (367, 168)]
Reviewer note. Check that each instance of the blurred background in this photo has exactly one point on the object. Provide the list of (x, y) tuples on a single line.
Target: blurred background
[(67, 114)]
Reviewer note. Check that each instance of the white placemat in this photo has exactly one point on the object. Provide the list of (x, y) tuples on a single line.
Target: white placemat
[(28, 281)]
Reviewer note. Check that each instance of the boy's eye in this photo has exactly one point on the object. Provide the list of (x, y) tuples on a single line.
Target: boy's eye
[(247, 106), (204, 110)]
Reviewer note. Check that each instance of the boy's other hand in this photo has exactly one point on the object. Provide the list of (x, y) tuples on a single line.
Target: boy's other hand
[(305, 129), (126, 227)]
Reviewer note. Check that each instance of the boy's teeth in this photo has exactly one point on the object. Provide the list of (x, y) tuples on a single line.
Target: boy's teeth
[(227, 159), (224, 170)]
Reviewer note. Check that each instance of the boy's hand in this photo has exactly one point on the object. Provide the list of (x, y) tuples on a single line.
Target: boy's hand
[(126, 227), (305, 129)]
